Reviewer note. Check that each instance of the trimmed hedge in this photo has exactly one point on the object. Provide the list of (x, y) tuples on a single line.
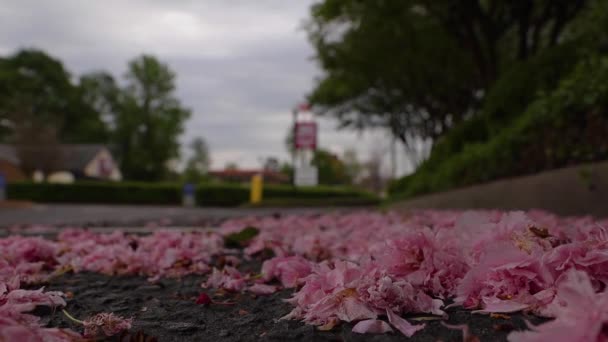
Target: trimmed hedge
[(564, 127), (171, 193), (96, 192)]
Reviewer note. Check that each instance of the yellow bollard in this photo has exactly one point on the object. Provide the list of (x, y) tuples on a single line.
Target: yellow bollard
[(256, 189)]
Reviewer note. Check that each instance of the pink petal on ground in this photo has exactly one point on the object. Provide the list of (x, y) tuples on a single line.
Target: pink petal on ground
[(493, 304), (372, 326), (580, 313), (18, 333), (402, 325), (352, 309), (262, 289), (287, 269)]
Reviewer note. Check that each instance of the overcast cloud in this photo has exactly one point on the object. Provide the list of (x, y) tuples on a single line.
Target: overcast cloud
[(241, 64)]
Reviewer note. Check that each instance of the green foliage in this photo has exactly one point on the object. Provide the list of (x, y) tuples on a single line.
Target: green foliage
[(141, 122), (97, 192), (148, 121), (222, 194), (506, 101), (241, 238), (36, 89), (421, 67), (562, 127), (207, 194), (331, 170), (381, 67), (198, 163)]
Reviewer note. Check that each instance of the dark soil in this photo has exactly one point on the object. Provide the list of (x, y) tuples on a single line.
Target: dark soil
[(167, 311)]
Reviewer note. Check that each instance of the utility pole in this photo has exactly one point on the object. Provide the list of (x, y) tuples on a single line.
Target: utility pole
[(293, 145), (393, 157)]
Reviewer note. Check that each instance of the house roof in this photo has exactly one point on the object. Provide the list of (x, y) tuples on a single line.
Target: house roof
[(7, 152), (73, 157), (76, 157)]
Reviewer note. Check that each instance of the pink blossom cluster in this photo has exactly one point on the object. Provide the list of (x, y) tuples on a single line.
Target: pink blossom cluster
[(16, 324), (369, 268), (371, 265), (162, 253), (29, 260)]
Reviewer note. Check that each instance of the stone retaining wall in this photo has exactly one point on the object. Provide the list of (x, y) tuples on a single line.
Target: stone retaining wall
[(579, 190)]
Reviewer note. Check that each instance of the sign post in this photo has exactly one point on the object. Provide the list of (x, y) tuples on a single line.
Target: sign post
[(188, 198), (256, 189), (305, 144)]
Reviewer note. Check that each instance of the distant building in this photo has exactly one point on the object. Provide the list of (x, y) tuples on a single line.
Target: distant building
[(84, 161), (9, 164), (244, 176)]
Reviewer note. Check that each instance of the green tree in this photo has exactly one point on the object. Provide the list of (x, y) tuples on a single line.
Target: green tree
[(32, 81), (231, 166), (286, 168), (331, 170), (198, 164), (100, 91), (289, 143), (419, 67), (352, 164), (148, 120)]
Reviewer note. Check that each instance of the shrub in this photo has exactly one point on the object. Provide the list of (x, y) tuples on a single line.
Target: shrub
[(566, 126), (96, 192), (506, 101), (207, 194)]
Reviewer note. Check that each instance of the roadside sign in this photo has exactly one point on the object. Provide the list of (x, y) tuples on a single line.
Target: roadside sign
[(188, 198), (256, 189), (305, 135), (306, 176)]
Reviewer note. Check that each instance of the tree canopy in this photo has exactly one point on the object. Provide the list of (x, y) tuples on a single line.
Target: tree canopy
[(419, 67), (140, 120), (35, 86), (199, 162), (149, 119)]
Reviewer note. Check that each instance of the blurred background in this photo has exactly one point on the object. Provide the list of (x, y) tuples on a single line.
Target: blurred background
[(409, 97)]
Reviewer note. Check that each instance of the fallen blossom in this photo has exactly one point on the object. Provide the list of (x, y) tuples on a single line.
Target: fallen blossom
[(229, 278), (402, 325), (289, 270), (581, 314), (105, 324), (372, 326), (350, 267), (262, 289)]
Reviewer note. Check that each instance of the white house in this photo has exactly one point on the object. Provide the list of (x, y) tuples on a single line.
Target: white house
[(83, 161)]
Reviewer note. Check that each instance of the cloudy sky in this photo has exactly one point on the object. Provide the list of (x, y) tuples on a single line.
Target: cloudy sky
[(241, 64)]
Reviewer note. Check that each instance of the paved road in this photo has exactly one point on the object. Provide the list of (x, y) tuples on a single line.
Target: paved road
[(112, 215)]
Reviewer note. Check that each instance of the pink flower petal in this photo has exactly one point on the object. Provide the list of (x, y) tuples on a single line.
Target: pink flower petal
[(372, 326), (402, 325), (498, 305), (262, 289)]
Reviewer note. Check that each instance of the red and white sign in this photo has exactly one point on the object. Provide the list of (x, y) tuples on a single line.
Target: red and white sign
[(305, 135)]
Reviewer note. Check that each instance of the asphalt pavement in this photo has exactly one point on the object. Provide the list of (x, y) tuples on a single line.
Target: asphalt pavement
[(121, 215)]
